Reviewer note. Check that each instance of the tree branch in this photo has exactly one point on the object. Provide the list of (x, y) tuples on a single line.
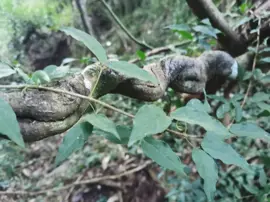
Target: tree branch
[(123, 27), (84, 16), (43, 111), (231, 40)]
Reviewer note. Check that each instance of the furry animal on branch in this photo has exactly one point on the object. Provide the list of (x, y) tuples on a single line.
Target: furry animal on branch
[(183, 74)]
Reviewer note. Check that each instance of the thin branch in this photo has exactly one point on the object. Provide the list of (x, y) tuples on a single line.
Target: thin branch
[(76, 183), (123, 27), (91, 99), (254, 63), (67, 93), (83, 14), (253, 68), (158, 50)]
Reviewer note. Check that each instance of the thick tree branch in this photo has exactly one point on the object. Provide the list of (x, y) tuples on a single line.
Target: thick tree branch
[(229, 39), (53, 109)]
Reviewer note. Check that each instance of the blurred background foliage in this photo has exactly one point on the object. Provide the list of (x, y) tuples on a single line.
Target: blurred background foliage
[(29, 38)]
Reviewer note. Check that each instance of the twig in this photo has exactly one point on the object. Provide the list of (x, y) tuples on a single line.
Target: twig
[(91, 99), (254, 63), (253, 68), (89, 181), (68, 93), (160, 50), (122, 26), (83, 14)]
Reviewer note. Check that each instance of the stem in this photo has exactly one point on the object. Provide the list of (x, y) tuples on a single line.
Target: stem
[(253, 68), (123, 27)]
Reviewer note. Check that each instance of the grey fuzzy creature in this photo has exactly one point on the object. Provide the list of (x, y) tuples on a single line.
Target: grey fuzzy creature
[(183, 74)]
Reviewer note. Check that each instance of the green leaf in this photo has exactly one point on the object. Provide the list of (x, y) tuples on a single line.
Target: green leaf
[(206, 21), (40, 77), (149, 120), (238, 111), (6, 70), (265, 79), (262, 178), (185, 35), (194, 116), (90, 42), (218, 98), (207, 169), (206, 103), (131, 70), (249, 130), (218, 149), (55, 72), (141, 54), (68, 60), (123, 131), (222, 110), (265, 60), (162, 154), (260, 96), (247, 75), (197, 104), (25, 77), (205, 30), (266, 49), (243, 8), (9, 125), (179, 27), (264, 106), (258, 74), (242, 21), (73, 141), (101, 122)]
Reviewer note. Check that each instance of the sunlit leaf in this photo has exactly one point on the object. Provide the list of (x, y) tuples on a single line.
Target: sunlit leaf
[(89, 41), (131, 70), (179, 27), (9, 125), (68, 60), (162, 154), (141, 54), (149, 120), (185, 35)]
